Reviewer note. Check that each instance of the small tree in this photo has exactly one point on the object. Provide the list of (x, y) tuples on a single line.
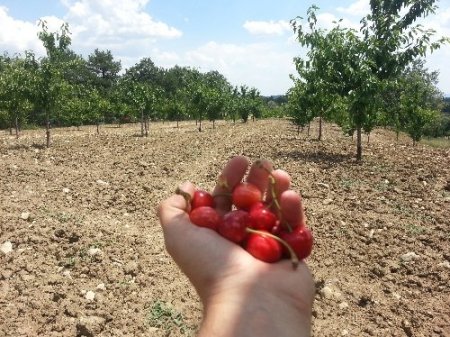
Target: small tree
[(215, 105), (52, 86), (17, 84), (356, 67), (297, 108)]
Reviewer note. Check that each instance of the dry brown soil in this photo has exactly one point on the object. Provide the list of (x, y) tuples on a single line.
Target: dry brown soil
[(82, 253)]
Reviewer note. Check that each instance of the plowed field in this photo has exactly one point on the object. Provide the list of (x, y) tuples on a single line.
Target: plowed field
[(82, 253)]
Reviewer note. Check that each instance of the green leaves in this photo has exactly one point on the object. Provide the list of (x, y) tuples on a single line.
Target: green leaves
[(17, 86), (358, 67)]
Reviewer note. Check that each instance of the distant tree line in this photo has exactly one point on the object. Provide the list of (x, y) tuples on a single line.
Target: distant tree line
[(66, 89)]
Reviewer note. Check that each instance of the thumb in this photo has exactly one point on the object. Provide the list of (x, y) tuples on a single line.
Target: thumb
[(173, 216)]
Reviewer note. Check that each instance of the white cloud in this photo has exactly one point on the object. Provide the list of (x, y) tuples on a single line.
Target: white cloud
[(328, 21), (122, 26), (261, 65), (267, 27), (440, 22), (16, 36), (100, 22), (359, 8)]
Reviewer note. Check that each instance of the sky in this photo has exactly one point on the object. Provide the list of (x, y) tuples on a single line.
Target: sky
[(250, 42)]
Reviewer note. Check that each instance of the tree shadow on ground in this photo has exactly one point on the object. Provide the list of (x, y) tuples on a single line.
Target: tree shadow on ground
[(18, 147), (27, 147), (38, 146), (318, 157)]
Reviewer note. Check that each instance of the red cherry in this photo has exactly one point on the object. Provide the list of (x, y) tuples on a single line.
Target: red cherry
[(276, 230), (261, 217), (202, 198), (205, 216), (258, 205), (233, 225), (300, 240), (246, 195), (263, 247)]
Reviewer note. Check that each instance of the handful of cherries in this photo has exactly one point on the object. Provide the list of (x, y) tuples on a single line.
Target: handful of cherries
[(253, 223)]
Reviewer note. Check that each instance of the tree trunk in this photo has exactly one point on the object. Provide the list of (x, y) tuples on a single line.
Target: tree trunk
[(320, 128), (17, 126), (98, 127), (200, 125), (142, 123), (309, 128), (398, 134), (368, 138), (358, 144), (298, 130), (47, 132), (214, 124), (146, 126)]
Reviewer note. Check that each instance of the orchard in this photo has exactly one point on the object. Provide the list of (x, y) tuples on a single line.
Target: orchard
[(82, 251), (89, 149)]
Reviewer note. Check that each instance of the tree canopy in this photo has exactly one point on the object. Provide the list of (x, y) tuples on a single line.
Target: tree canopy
[(361, 69)]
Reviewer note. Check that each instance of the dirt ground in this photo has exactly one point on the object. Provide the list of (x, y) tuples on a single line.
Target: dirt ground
[(82, 253)]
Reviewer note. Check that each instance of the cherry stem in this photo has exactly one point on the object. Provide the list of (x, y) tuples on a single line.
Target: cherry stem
[(218, 195), (186, 197), (223, 183), (294, 258), (273, 193), (288, 226)]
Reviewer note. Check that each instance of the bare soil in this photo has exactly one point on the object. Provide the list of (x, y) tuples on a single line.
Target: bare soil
[(82, 253)]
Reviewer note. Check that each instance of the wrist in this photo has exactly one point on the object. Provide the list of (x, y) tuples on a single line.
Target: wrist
[(255, 311)]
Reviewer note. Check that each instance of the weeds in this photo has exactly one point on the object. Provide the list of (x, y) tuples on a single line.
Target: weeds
[(347, 183), (64, 217), (437, 142), (162, 316), (414, 229)]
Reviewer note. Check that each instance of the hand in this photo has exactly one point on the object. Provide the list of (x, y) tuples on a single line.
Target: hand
[(241, 295)]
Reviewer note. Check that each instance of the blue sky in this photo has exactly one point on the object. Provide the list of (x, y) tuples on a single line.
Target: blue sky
[(249, 41)]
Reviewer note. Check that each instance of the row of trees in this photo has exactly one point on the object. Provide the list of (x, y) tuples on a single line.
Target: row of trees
[(359, 80), (374, 77), (65, 89)]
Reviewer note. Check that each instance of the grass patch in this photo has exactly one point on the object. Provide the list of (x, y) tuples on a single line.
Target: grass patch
[(443, 143), (414, 229), (64, 217), (163, 316), (347, 184)]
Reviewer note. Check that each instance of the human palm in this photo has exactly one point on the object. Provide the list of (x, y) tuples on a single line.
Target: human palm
[(223, 272)]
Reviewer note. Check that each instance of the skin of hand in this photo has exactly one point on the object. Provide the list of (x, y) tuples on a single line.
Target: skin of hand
[(241, 295)]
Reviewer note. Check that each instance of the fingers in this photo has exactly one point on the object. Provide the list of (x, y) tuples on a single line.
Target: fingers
[(259, 174), (234, 171), (175, 206), (282, 183), (231, 175), (292, 208), (290, 202)]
